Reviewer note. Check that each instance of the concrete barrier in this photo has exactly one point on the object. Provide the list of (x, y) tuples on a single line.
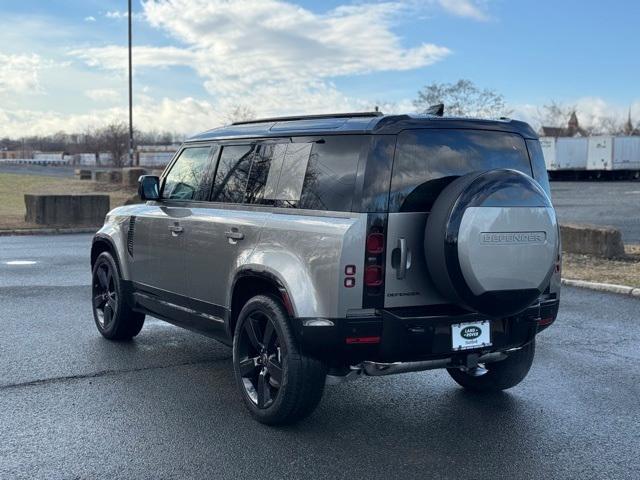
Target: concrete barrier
[(83, 174), (108, 176), (66, 210), (130, 176), (592, 240)]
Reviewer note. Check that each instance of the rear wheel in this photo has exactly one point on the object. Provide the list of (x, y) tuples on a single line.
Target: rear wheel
[(496, 376), (114, 318), (279, 385)]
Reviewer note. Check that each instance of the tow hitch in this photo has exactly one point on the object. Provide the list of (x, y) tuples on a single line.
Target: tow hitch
[(378, 369)]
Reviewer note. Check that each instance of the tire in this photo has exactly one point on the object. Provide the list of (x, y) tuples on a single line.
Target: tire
[(114, 318), (500, 375), (279, 384)]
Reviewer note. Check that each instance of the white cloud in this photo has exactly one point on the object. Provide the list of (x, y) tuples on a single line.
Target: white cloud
[(593, 112), (187, 116), (120, 14), (116, 14), (90, 18), (103, 94), (464, 8), (20, 73), (273, 55), (114, 57)]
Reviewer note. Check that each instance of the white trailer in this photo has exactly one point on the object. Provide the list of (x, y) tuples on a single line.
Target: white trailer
[(572, 153), (548, 145), (600, 153), (626, 153)]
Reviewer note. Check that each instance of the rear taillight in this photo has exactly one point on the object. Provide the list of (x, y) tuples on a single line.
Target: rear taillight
[(373, 267), (546, 321), (373, 276), (375, 243)]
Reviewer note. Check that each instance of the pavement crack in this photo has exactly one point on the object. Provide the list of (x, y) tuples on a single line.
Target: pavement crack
[(103, 373)]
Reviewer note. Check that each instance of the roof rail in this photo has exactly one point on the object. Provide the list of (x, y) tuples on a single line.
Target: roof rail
[(310, 117)]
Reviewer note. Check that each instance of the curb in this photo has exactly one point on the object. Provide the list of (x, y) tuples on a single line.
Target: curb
[(47, 231), (603, 287)]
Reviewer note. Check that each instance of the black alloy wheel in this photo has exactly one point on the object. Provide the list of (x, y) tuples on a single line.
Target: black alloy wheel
[(278, 382), (260, 359), (114, 317), (105, 296)]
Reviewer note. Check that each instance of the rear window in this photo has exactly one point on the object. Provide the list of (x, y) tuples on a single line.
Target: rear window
[(428, 160)]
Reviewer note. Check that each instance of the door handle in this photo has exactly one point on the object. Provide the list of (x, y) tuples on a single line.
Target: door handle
[(234, 234), (401, 272), (176, 229)]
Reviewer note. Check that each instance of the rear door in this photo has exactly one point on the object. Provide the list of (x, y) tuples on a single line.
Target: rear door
[(425, 162), (158, 249), (226, 228)]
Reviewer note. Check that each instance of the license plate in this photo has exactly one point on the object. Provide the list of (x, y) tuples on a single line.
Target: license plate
[(470, 335)]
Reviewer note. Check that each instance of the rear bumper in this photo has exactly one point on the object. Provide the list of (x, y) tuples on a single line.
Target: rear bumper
[(416, 334)]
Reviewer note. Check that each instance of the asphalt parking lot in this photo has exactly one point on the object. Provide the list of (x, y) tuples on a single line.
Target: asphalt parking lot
[(73, 405), (600, 203)]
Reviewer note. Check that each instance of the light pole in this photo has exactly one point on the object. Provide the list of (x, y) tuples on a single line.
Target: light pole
[(130, 94)]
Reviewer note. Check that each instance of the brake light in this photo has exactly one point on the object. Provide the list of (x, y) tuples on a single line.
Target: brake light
[(375, 243), (361, 340), (373, 268), (545, 321), (373, 276)]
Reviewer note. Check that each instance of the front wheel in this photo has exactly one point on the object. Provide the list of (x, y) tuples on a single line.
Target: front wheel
[(278, 383), (113, 316), (500, 375)]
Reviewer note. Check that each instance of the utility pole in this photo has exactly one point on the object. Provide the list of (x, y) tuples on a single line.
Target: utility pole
[(130, 93)]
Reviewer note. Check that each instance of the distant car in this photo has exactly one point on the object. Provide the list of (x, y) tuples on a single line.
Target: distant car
[(324, 248)]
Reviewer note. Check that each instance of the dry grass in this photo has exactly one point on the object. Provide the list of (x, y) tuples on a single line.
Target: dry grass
[(14, 186), (624, 271)]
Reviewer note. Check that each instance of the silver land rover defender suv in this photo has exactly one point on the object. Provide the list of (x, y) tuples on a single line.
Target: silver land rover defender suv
[(329, 247)]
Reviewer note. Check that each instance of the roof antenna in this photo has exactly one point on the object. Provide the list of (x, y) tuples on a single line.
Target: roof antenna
[(437, 110), (376, 108)]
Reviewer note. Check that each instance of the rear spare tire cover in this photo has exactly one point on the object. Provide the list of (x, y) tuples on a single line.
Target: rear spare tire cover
[(491, 241)]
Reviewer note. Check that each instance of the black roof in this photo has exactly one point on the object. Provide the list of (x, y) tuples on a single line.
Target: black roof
[(355, 123)]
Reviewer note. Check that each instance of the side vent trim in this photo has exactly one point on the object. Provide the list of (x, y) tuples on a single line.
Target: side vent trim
[(130, 234)]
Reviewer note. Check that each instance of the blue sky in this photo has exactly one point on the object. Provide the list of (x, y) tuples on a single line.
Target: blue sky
[(199, 60)]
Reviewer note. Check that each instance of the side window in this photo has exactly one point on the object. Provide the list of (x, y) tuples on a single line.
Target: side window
[(263, 176), (188, 177), (538, 166), (293, 171), (278, 173), (233, 173), (331, 174)]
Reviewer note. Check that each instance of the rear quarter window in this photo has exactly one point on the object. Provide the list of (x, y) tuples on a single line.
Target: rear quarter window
[(428, 160), (330, 177)]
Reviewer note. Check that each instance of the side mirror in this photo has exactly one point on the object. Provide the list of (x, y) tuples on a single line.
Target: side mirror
[(149, 187)]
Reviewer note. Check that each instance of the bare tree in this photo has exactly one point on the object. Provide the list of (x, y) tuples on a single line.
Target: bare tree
[(113, 138), (240, 113), (462, 99), (555, 114), (610, 126)]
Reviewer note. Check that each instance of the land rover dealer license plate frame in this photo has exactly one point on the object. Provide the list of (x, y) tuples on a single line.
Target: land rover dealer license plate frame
[(468, 335)]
